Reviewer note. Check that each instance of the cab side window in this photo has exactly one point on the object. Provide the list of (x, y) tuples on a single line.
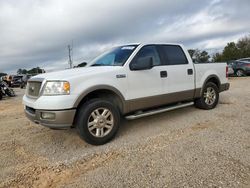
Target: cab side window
[(174, 55), (149, 51)]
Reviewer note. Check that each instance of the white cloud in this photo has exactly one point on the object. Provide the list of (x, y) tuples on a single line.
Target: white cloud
[(36, 33)]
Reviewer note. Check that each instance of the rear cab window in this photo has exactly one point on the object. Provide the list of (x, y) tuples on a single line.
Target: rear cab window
[(173, 55)]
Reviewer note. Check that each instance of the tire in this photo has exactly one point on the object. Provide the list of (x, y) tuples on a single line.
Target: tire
[(1, 95), (209, 101), (97, 121), (240, 73), (10, 92)]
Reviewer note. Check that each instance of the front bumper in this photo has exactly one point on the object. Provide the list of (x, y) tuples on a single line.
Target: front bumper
[(224, 87), (63, 118)]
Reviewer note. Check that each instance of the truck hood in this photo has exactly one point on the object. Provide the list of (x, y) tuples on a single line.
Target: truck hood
[(73, 73)]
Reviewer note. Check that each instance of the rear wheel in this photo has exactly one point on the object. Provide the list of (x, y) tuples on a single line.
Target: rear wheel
[(209, 98), (240, 73), (1, 95), (98, 121)]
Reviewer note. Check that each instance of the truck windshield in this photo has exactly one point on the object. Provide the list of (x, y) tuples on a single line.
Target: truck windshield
[(114, 57)]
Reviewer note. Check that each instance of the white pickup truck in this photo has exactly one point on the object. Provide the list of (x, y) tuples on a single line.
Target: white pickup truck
[(131, 81)]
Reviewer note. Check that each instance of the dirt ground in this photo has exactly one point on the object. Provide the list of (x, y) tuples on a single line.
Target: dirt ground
[(183, 148)]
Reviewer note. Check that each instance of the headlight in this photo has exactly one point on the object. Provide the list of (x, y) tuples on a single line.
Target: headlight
[(56, 88)]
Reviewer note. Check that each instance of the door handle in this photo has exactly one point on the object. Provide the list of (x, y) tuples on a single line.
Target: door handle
[(190, 72), (164, 74)]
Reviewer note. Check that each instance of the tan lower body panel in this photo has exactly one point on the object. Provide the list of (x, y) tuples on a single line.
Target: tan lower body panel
[(159, 100)]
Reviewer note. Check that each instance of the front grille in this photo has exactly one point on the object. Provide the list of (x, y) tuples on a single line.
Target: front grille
[(33, 88)]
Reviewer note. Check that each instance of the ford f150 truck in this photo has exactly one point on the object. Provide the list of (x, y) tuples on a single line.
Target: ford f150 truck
[(132, 81)]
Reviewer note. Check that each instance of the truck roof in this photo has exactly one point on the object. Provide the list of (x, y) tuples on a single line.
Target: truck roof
[(151, 43)]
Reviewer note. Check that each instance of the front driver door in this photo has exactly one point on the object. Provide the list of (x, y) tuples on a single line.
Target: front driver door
[(145, 85)]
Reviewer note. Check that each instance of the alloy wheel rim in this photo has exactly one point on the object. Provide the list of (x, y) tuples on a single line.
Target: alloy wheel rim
[(240, 73), (100, 122), (210, 96)]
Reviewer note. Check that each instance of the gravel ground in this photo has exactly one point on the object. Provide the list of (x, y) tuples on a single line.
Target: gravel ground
[(182, 148)]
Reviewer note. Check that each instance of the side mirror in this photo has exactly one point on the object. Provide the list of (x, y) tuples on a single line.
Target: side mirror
[(143, 63)]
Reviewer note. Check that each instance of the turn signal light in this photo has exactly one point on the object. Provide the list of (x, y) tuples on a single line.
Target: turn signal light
[(66, 86)]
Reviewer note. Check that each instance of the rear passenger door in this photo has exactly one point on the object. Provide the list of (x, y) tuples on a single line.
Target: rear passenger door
[(180, 73)]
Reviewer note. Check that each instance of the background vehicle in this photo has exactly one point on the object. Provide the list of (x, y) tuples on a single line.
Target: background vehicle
[(16, 81), (132, 81), (5, 90), (230, 68), (241, 67), (1, 95), (24, 81), (244, 59), (8, 79)]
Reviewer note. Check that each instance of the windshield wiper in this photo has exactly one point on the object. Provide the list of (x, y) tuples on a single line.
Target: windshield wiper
[(96, 65)]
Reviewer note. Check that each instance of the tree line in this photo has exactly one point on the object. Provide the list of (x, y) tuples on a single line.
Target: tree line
[(33, 71), (199, 56), (38, 70), (2, 74), (232, 51)]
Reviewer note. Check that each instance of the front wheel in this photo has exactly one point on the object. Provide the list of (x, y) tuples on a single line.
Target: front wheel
[(98, 121), (209, 98)]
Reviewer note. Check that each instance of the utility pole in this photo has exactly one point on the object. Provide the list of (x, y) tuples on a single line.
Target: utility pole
[(70, 56)]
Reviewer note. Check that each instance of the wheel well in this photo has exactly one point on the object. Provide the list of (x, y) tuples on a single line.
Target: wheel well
[(104, 94), (215, 81)]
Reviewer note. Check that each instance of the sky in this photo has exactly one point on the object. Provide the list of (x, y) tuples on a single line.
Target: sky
[(36, 32)]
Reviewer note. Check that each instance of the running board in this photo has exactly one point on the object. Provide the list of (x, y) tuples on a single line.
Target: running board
[(159, 110)]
